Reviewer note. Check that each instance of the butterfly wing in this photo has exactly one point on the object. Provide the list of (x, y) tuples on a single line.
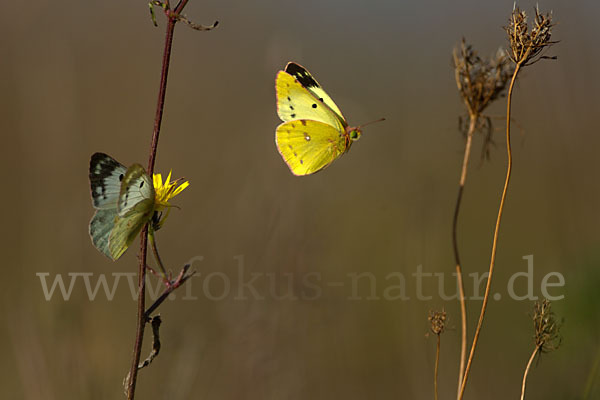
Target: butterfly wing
[(126, 228), (106, 175), (135, 207), (294, 102), (101, 227), (136, 189), (304, 77), (124, 199), (309, 146)]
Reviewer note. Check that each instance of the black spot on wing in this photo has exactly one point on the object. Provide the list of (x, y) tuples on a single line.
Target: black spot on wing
[(301, 75)]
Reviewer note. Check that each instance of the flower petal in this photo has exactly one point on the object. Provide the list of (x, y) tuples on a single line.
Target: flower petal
[(180, 188)]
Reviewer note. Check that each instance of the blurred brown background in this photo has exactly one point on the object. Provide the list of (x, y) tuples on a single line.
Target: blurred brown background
[(80, 77)]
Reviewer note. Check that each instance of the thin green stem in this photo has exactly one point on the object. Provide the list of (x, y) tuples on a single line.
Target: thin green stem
[(592, 376), (161, 267)]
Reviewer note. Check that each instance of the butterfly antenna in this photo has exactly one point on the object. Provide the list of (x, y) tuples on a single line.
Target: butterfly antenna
[(371, 122)]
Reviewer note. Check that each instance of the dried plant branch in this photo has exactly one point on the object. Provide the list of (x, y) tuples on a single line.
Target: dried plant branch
[(535, 352), (546, 335), (180, 280), (195, 26), (438, 325), (155, 322), (437, 364), (526, 47), (494, 241), (459, 274), (165, 6), (173, 16), (479, 82), (546, 327)]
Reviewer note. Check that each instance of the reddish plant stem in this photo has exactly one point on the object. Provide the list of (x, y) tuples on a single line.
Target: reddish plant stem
[(183, 276), (141, 306)]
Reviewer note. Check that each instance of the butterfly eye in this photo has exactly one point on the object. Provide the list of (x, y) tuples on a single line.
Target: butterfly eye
[(355, 134)]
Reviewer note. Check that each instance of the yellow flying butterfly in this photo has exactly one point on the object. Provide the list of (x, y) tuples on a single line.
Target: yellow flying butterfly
[(314, 133)]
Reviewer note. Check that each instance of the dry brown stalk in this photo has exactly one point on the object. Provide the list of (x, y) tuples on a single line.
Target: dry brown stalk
[(438, 325), (547, 335), (480, 82), (526, 49)]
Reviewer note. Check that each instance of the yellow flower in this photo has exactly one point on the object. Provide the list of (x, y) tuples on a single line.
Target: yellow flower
[(166, 191)]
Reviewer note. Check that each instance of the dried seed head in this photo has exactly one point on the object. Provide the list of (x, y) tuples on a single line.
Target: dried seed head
[(547, 336), (438, 321), (526, 46), (480, 81)]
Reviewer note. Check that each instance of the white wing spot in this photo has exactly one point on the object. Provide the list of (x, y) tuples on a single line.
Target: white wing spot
[(307, 137)]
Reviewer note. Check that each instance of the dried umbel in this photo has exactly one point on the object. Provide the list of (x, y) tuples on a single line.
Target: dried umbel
[(438, 321), (546, 327), (526, 46), (479, 80)]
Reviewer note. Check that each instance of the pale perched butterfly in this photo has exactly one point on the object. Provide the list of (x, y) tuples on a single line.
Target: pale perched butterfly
[(314, 132), (125, 201)]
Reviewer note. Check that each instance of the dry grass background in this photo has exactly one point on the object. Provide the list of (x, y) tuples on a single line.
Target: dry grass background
[(80, 77)]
